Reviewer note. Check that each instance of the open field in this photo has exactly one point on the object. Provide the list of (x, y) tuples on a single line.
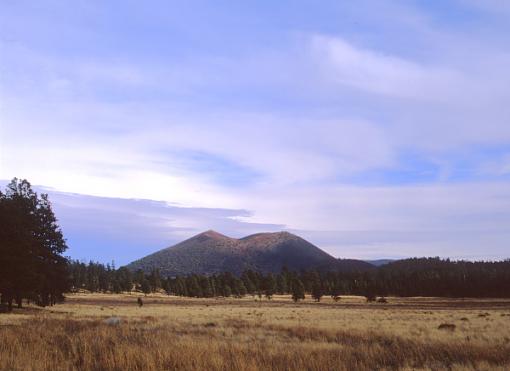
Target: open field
[(247, 334)]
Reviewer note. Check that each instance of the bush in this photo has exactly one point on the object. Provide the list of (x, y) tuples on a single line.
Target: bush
[(370, 298), (447, 326)]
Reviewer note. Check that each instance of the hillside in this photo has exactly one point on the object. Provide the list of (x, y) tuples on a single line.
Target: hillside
[(380, 262), (211, 252)]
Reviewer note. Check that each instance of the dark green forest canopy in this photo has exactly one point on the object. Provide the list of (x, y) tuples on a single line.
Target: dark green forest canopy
[(409, 277)]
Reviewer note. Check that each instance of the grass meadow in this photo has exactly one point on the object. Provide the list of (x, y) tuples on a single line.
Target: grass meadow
[(110, 332)]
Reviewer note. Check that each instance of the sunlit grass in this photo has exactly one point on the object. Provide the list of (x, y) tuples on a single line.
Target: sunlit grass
[(249, 334)]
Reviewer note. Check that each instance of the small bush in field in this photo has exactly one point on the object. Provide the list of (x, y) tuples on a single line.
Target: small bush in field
[(370, 298), (447, 326)]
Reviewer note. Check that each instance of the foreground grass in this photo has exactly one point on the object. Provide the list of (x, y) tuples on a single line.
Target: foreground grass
[(190, 334)]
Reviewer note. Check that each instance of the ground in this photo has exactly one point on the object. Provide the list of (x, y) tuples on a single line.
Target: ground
[(96, 331)]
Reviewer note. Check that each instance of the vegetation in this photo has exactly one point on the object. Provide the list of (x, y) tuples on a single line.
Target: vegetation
[(31, 246), (110, 331), (410, 277), (298, 290)]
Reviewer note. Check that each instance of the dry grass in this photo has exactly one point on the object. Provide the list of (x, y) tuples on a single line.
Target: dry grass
[(243, 334)]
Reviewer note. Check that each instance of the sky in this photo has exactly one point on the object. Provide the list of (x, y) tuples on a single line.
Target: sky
[(373, 129)]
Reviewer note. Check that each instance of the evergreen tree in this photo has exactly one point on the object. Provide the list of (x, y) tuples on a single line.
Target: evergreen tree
[(248, 284), (145, 286), (317, 291), (227, 291), (124, 278), (269, 286), (155, 280), (241, 289), (205, 285), (31, 248), (298, 290), (336, 291), (281, 284), (194, 288)]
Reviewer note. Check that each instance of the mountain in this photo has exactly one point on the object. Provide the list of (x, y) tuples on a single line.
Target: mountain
[(211, 252), (380, 262), (352, 265)]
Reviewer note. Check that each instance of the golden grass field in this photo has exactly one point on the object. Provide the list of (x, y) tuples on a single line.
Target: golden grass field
[(248, 334)]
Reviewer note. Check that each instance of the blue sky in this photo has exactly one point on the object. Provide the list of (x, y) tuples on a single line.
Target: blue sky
[(372, 128)]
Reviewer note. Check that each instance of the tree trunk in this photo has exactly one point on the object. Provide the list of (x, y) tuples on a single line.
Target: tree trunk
[(19, 302), (9, 304)]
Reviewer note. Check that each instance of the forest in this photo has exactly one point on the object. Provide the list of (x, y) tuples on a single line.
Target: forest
[(408, 277)]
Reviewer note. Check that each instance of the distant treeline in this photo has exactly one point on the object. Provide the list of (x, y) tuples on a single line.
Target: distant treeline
[(409, 277)]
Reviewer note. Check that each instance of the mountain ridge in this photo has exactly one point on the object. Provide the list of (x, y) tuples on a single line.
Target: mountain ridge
[(380, 262), (211, 252)]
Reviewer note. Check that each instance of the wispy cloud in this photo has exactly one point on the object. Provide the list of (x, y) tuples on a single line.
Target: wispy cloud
[(137, 227), (380, 73)]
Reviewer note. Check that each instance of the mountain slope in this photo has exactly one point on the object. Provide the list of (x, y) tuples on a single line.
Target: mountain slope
[(206, 253), (380, 262), (211, 252), (353, 265)]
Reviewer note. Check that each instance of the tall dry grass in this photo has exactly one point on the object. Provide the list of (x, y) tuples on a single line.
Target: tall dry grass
[(145, 344), (208, 335)]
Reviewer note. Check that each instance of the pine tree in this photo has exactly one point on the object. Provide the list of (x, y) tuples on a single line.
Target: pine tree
[(317, 291), (145, 286), (241, 288), (227, 291), (281, 284), (248, 284), (31, 248), (336, 291), (194, 288), (269, 286), (155, 280), (298, 290)]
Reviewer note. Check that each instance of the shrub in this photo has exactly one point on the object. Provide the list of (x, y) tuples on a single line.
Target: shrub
[(447, 326), (370, 298)]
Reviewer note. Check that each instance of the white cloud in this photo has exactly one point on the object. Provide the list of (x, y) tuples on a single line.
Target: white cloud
[(375, 72)]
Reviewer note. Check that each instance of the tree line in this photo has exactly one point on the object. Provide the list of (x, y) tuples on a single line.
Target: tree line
[(409, 277), (98, 277)]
